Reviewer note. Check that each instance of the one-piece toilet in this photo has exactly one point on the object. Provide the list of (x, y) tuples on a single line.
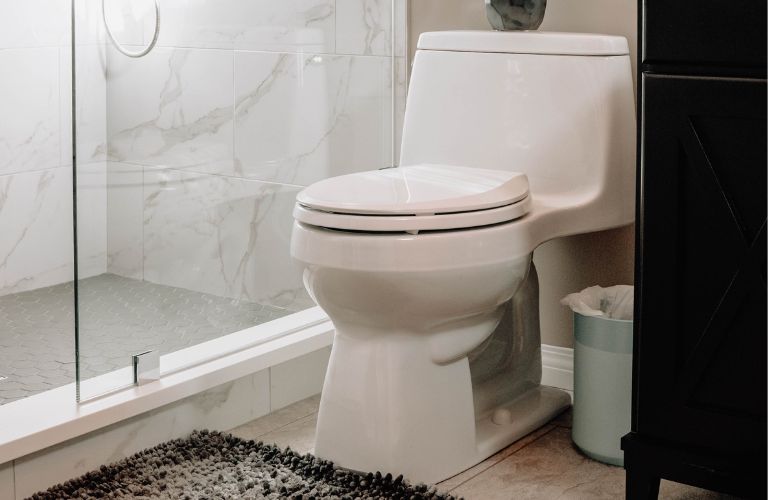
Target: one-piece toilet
[(510, 139)]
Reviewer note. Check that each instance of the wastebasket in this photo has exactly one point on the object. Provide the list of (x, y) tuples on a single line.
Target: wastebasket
[(602, 389)]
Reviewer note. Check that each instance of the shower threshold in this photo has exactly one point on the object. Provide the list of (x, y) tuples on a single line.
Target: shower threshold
[(119, 317), (55, 416)]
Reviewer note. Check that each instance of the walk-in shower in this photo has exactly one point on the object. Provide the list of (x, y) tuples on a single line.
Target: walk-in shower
[(150, 155)]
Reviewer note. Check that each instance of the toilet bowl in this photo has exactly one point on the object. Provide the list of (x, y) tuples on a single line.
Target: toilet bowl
[(425, 270)]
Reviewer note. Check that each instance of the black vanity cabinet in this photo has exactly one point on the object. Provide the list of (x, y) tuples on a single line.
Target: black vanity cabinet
[(699, 389)]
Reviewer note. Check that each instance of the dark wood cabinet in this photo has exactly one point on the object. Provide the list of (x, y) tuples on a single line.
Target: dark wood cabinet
[(715, 36), (699, 389)]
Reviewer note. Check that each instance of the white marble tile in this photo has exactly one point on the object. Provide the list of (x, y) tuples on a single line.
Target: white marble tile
[(303, 118), (220, 408), (91, 219), (401, 27), (91, 85), (89, 25), (368, 27), (221, 235), (36, 217), (6, 482), (401, 94), (131, 22), (203, 24), (125, 220), (364, 27), (33, 23), (172, 108), (264, 25), (298, 378), (29, 106)]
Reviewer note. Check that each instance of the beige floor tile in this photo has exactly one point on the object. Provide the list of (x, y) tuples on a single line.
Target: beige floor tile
[(551, 467), (299, 436), (276, 420), (548, 468), (543, 465), (677, 491), (455, 481)]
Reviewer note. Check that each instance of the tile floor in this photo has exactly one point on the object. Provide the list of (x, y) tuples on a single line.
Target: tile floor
[(119, 317), (543, 465)]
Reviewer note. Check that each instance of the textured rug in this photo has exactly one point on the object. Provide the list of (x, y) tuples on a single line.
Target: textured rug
[(213, 465)]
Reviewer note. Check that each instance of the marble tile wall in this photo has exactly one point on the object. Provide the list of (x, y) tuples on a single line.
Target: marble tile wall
[(242, 103), (35, 143), (188, 159)]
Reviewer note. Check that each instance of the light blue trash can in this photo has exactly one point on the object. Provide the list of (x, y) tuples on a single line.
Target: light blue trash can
[(602, 393)]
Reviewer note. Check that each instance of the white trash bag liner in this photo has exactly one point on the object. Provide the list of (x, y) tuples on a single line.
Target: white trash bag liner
[(616, 302)]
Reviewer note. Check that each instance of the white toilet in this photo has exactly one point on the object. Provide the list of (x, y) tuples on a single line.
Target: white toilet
[(510, 139)]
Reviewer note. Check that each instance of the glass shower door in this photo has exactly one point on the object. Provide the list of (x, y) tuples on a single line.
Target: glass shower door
[(193, 154), (36, 259)]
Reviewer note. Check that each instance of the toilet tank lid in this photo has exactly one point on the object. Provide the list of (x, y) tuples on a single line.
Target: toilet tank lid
[(525, 42)]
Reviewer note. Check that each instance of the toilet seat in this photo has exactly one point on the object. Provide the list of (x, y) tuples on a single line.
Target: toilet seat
[(415, 198)]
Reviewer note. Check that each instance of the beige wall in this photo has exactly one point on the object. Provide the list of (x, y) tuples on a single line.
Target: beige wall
[(568, 264)]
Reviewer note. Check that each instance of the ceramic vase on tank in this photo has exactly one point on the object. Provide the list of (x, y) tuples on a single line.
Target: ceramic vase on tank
[(506, 15)]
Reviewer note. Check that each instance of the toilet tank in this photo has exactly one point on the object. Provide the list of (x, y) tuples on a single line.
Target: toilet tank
[(557, 106)]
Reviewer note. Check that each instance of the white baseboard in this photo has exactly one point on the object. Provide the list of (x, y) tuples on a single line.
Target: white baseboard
[(557, 367)]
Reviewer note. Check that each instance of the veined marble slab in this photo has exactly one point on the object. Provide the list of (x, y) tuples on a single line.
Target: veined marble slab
[(221, 235), (303, 118), (29, 106), (125, 220), (33, 23), (265, 25), (36, 217), (91, 84), (172, 108), (367, 27), (36, 247)]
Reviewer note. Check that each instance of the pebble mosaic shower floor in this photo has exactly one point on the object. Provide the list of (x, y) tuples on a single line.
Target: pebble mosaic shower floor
[(119, 317)]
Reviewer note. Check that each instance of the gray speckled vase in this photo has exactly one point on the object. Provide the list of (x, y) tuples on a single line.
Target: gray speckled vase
[(507, 15)]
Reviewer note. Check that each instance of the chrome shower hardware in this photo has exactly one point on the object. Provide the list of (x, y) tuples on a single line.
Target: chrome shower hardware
[(117, 44)]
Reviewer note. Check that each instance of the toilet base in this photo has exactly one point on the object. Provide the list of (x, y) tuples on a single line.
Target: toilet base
[(386, 407), (527, 413), (408, 402)]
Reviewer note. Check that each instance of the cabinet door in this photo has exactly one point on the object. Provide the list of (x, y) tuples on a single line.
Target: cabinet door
[(705, 32), (701, 352)]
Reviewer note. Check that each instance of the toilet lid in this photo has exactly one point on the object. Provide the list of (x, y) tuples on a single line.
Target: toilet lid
[(416, 190), (415, 198)]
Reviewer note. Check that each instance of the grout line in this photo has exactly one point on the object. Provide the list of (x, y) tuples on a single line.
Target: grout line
[(277, 429), (553, 427), (311, 413), (13, 478), (393, 84), (258, 51), (185, 170), (34, 170)]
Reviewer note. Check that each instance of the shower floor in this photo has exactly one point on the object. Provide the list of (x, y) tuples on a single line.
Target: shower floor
[(119, 317)]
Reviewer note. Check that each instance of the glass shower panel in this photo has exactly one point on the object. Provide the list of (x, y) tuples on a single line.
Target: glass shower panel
[(37, 351), (204, 144)]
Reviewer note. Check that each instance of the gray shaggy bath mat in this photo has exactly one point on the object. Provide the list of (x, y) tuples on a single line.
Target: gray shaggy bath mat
[(213, 465)]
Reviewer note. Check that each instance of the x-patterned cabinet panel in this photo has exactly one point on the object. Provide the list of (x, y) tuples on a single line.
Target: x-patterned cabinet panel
[(703, 269)]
